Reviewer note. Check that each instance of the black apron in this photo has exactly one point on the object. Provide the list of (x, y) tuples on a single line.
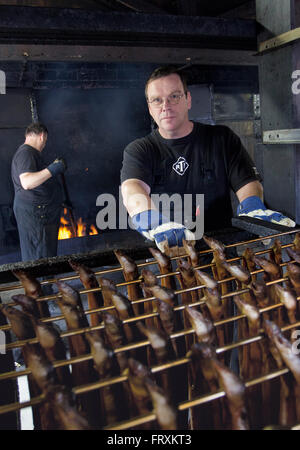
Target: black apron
[(38, 227)]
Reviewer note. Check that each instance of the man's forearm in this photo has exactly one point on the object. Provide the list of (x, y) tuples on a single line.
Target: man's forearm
[(136, 197), (31, 180), (253, 188)]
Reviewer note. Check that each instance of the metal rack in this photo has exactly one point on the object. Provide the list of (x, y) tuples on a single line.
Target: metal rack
[(133, 422)]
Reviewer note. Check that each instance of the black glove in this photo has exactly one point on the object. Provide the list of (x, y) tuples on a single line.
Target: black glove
[(58, 166)]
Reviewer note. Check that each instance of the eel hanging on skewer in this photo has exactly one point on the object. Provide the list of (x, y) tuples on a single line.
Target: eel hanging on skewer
[(22, 327), (45, 376), (166, 414), (125, 311), (289, 300), (149, 280), (192, 254), (21, 323), (276, 253), (186, 279), (131, 273), (71, 297), (214, 244), (252, 358), (204, 278), (28, 304), (289, 387), (213, 302), (285, 348), (220, 274), (137, 374), (32, 289), (47, 335), (293, 272), (204, 380), (82, 372), (248, 261), (163, 352), (272, 272), (203, 327), (168, 296), (271, 269), (293, 254), (115, 336), (296, 241), (63, 404), (165, 267), (167, 319), (260, 291), (50, 340), (113, 400), (269, 388), (160, 343), (235, 395), (107, 286), (89, 281)]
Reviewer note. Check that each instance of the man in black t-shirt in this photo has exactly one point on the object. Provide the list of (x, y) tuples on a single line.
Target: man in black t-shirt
[(183, 157), (38, 195)]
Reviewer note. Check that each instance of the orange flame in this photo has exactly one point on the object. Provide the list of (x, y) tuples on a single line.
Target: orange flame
[(66, 232), (93, 230)]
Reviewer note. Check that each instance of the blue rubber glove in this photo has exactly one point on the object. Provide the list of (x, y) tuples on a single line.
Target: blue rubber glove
[(254, 207), (58, 166), (168, 236)]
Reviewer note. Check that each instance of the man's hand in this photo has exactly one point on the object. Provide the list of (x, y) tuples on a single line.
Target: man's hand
[(58, 166), (168, 236), (254, 207)]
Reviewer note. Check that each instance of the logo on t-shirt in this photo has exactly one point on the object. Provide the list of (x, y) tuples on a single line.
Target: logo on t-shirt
[(255, 170), (180, 166)]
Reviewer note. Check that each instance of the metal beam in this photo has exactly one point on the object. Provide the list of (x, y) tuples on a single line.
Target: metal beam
[(278, 41), (282, 136), (72, 26), (21, 52)]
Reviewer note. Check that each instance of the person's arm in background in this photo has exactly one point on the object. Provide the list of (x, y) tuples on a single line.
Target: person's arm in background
[(31, 180), (148, 221)]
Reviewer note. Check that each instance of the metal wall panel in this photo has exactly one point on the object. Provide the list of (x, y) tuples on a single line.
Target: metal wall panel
[(15, 108)]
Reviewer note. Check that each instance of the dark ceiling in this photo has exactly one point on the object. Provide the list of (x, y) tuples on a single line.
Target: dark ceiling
[(235, 8)]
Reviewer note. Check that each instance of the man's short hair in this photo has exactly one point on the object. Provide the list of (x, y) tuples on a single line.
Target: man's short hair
[(164, 71), (36, 128)]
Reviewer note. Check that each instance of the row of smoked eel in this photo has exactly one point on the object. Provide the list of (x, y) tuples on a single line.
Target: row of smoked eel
[(179, 348)]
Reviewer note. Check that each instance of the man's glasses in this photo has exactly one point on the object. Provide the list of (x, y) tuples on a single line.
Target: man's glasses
[(172, 99)]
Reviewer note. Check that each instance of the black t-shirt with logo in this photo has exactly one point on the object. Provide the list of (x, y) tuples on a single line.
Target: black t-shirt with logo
[(211, 160), (28, 159)]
